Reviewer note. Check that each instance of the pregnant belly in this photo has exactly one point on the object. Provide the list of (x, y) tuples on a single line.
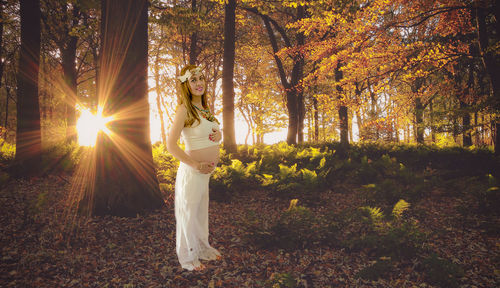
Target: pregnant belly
[(209, 154)]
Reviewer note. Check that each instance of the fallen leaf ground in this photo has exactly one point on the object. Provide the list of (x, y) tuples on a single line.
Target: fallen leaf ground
[(43, 246)]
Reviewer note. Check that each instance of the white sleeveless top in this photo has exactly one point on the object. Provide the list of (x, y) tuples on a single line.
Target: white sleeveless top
[(196, 137)]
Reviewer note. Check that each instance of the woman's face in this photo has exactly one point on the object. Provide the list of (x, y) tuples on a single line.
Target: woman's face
[(197, 84)]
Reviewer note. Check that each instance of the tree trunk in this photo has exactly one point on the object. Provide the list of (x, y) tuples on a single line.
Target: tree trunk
[(294, 97), (193, 48), (162, 122), (291, 105), (344, 126), (158, 95), (1, 43), (419, 120), (490, 60), (227, 76), (343, 117), (69, 71), (126, 183), (297, 75), (350, 125), (28, 137), (396, 130), (433, 129), (247, 120), (373, 106), (466, 129), (316, 119), (496, 139), (476, 130), (7, 97), (360, 124), (301, 115)]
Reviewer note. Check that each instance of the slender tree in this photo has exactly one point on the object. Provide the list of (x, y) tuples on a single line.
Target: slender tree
[(62, 20), (28, 137), (343, 112), (488, 39), (290, 82), (126, 182), (1, 42), (193, 45), (228, 75)]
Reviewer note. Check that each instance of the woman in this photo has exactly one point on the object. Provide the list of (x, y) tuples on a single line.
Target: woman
[(201, 135)]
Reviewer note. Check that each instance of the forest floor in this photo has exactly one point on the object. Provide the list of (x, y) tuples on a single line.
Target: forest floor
[(42, 246)]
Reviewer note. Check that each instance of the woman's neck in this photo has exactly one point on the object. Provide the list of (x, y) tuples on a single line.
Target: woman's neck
[(197, 101)]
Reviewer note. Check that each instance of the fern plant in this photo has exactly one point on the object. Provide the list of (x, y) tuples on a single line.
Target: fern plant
[(399, 209), (393, 236)]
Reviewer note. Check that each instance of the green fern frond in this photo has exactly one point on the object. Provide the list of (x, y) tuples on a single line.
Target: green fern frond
[(237, 165), (322, 163), (286, 172), (374, 213), (293, 204), (309, 176), (400, 208), (316, 153), (251, 169), (303, 154)]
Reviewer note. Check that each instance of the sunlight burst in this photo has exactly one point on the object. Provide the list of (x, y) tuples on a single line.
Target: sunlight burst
[(89, 125)]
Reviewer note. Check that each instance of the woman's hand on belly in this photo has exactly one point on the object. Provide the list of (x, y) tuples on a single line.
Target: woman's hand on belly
[(215, 136), (205, 167), (209, 155)]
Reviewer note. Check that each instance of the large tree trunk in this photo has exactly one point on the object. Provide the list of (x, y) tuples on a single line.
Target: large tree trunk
[(490, 59), (126, 183), (1, 43), (28, 137), (227, 76)]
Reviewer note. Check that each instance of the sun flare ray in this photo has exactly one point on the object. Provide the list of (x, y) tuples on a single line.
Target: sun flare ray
[(89, 125)]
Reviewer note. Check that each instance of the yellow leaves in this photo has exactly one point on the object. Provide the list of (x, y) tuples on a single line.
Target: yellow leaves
[(293, 204), (293, 4)]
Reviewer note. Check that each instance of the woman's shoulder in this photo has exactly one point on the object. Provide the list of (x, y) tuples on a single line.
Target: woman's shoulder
[(181, 108)]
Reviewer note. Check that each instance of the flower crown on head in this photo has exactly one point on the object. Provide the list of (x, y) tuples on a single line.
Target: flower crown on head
[(188, 74)]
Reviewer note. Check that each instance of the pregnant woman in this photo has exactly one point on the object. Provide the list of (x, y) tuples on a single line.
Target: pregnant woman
[(200, 133)]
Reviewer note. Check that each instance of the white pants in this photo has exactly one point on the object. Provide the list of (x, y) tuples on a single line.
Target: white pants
[(191, 215)]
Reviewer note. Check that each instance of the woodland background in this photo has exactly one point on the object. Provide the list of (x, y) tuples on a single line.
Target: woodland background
[(387, 176)]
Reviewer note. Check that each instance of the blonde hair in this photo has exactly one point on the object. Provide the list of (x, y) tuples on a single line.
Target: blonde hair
[(185, 98)]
